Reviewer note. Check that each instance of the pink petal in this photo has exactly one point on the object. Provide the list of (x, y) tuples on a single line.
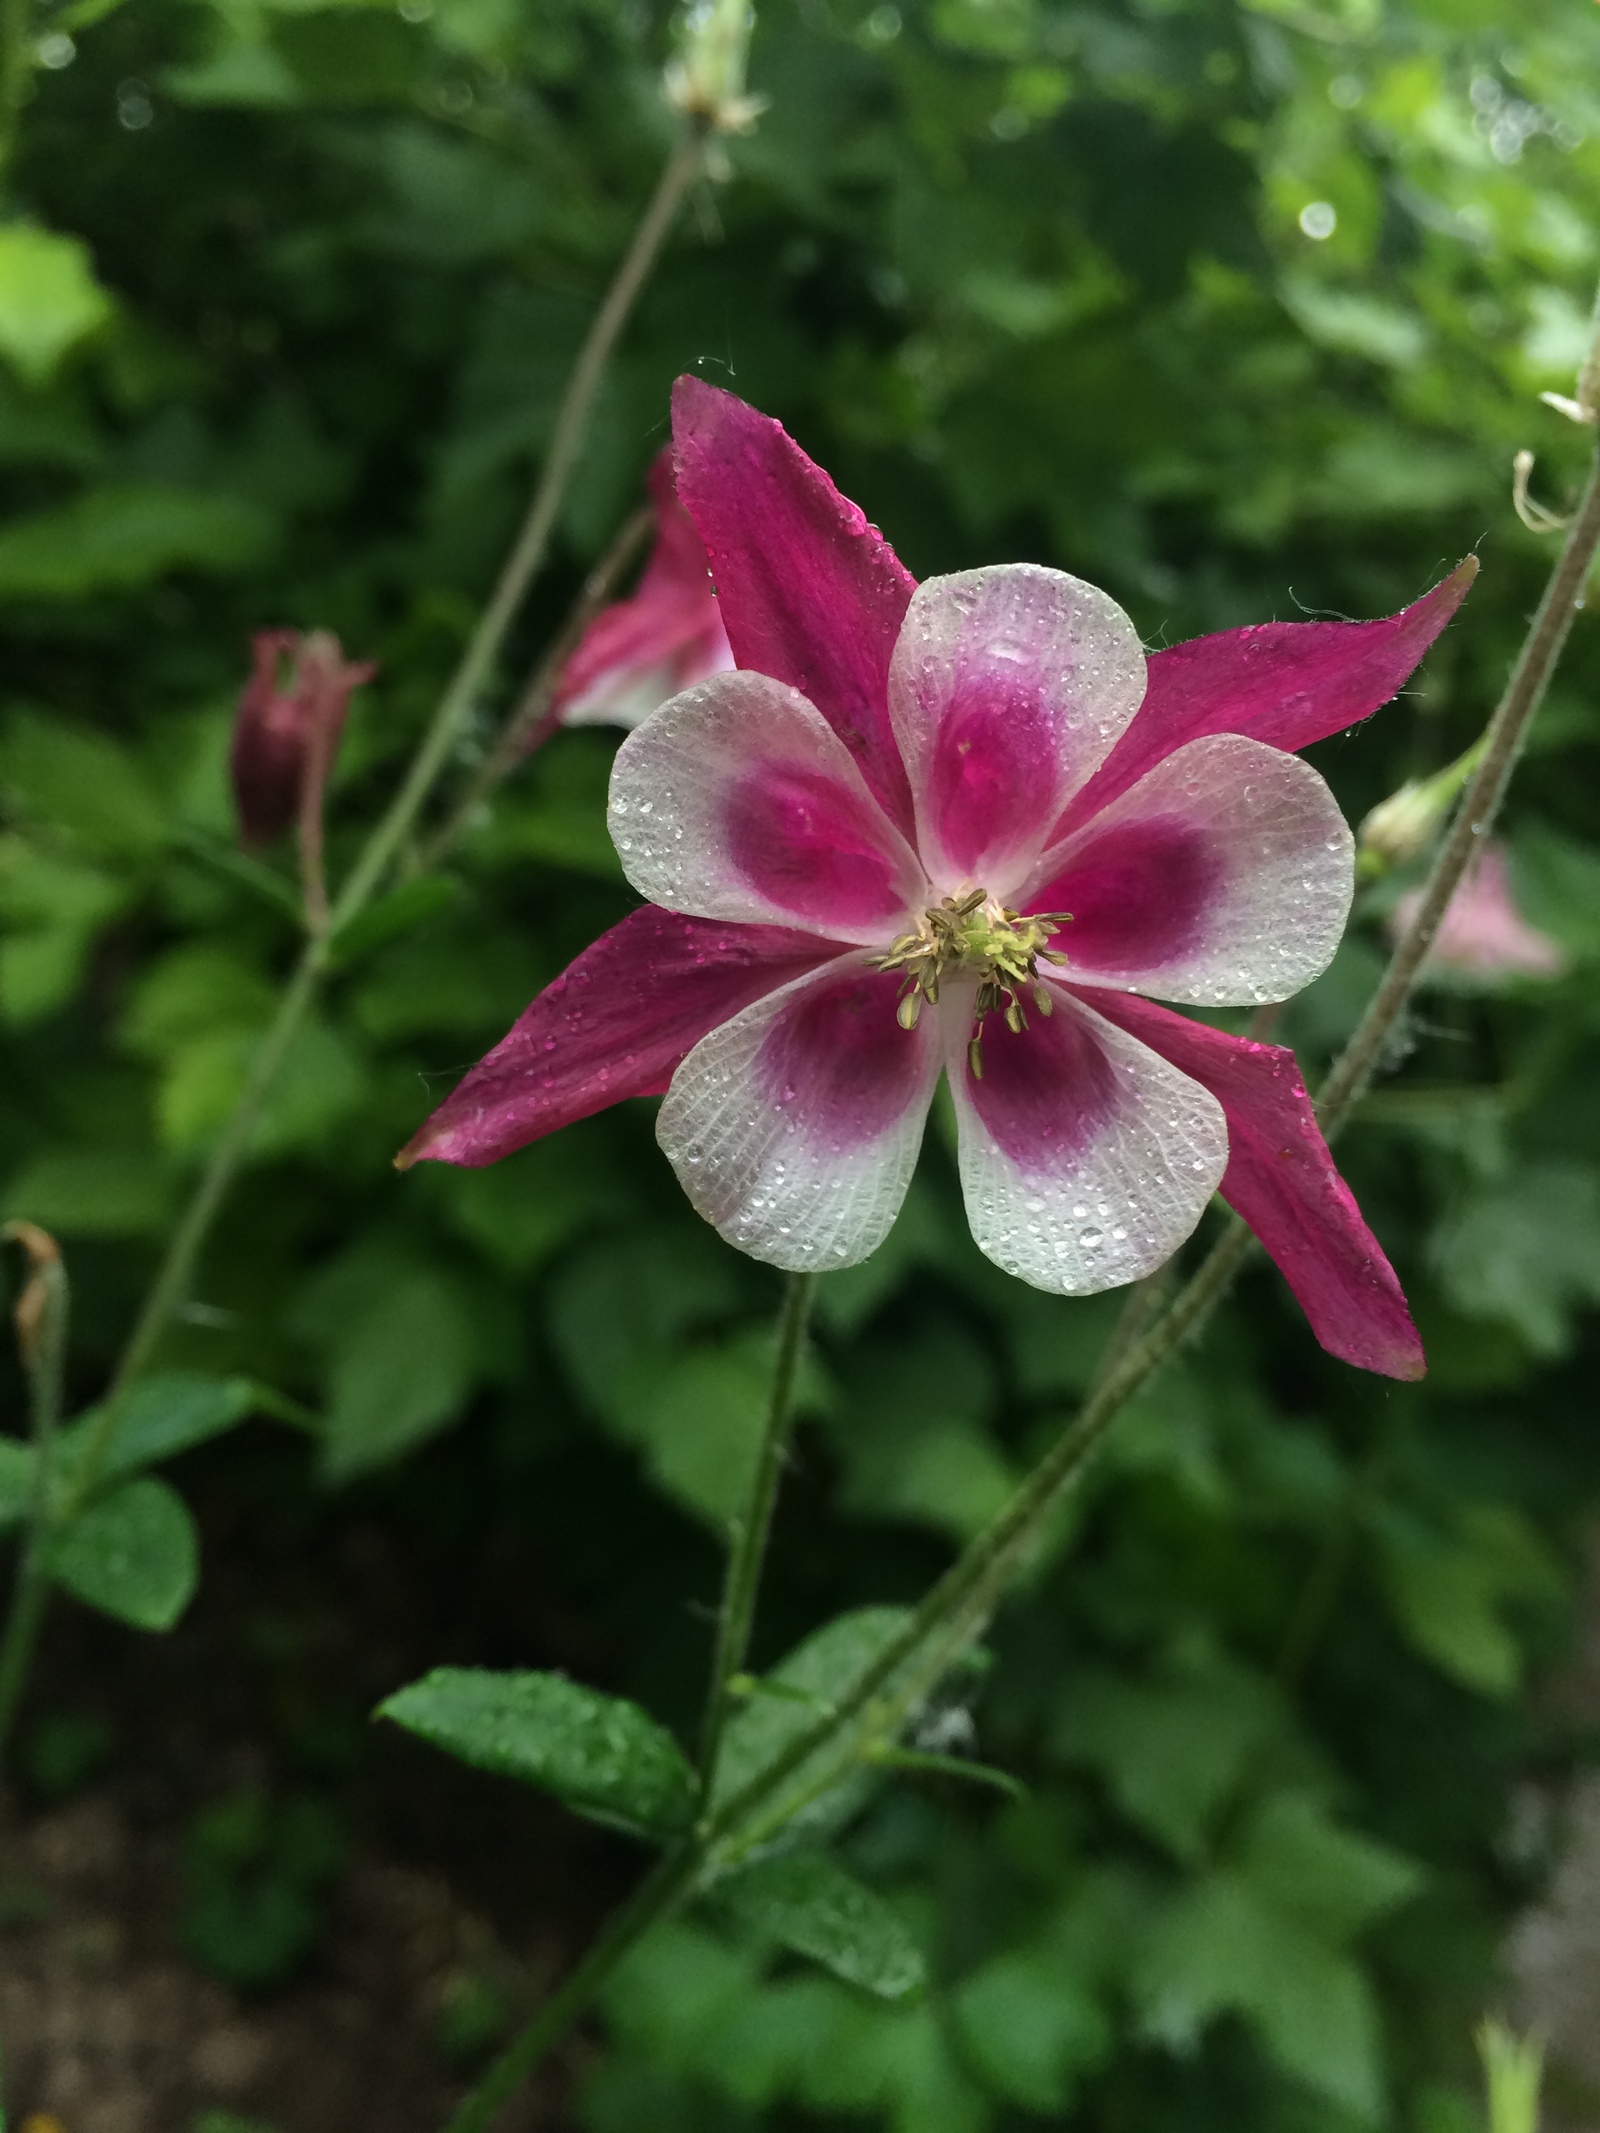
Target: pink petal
[(794, 1128), (811, 594), (1285, 683), (666, 636), (1008, 687), (1085, 1158), (1482, 931), (737, 801), (1223, 876), (616, 1023), (1281, 1178)]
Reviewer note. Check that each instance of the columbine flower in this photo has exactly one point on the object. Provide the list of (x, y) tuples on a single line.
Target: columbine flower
[(1482, 933), (288, 726), (966, 828), (642, 650)]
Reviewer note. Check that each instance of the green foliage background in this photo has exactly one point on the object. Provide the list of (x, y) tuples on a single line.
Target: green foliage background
[(1030, 280)]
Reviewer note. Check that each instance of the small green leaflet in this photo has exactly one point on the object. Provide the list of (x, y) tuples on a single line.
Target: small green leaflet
[(16, 1482), (162, 1416), (603, 1756), (134, 1554), (808, 1903)]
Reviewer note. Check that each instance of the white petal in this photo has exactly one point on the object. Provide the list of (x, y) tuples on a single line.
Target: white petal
[(1222, 878), (794, 1128), (1085, 1159), (736, 800), (1008, 688)]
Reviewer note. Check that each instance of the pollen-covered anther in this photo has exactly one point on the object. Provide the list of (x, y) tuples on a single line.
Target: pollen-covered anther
[(976, 936)]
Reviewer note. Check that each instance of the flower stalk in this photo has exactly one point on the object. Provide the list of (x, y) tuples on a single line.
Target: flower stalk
[(41, 1317), (866, 1717), (747, 1539)]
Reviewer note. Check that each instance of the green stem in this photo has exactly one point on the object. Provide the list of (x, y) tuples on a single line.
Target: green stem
[(659, 1893), (177, 1269), (528, 553), (531, 722), (42, 1328), (1480, 803), (747, 1538)]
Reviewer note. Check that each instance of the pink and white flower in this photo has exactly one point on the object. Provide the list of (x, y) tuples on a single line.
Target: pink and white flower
[(1483, 934), (861, 851), (666, 635)]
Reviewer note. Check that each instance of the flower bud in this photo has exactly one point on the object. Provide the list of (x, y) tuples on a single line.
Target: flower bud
[(1403, 826), (286, 734), (706, 79)]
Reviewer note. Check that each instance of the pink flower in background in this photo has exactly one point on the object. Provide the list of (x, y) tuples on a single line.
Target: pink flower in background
[(640, 651), (861, 852), (291, 715), (1482, 931)]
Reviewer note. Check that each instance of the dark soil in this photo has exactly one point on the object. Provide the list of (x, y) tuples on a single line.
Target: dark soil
[(442, 1904)]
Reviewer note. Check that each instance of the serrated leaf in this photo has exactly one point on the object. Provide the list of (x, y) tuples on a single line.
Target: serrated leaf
[(810, 1905), (1221, 1949), (603, 1756), (1334, 1880), (134, 1554)]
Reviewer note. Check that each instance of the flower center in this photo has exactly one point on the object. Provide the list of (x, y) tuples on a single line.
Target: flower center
[(972, 935)]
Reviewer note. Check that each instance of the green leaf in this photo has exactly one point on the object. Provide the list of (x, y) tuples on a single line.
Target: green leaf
[(162, 1416), (134, 1554), (401, 911), (1170, 1749), (402, 1368), (1333, 1880), (810, 1905), (108, 1192), (122, 536), (1221, 1949), (786, 1704), (1030, 2028), (85, 782), (49, 299), (603, 1756), (1451, 1590)]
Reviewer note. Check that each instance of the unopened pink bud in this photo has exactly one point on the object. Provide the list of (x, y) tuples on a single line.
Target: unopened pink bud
[(291, 716)]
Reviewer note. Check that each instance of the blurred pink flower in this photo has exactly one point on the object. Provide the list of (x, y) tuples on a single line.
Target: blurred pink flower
[(860, 851), (667, 635), (286, 733), (1482, 930)]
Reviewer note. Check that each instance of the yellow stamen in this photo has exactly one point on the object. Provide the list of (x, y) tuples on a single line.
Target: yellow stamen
[(973, 935)]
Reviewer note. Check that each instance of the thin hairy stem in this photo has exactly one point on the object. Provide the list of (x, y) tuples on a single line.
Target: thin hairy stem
[(1480, 803), (534, 717), (529, 549), (41, 1319), (659, 1893), (747, 1537), (171, 1286)]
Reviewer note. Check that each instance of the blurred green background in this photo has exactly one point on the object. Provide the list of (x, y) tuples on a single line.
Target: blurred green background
[(1240, 310)]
